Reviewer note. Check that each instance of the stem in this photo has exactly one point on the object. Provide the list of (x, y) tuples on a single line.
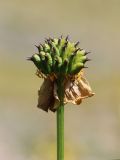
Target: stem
[(60, 133), (60, 122)]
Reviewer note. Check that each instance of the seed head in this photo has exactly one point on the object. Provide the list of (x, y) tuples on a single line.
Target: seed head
[(59, 56)]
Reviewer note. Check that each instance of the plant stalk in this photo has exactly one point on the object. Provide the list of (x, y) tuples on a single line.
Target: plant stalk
[(60, 122)]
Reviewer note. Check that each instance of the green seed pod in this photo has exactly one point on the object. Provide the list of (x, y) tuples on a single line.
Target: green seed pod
[(48, 60), (56, 41), (41, 47), (77, 58), (46, 47), (42, 55), (61, 46), (80, 58), (60, 56), (37, 60), (69, 49), (57, 64), (44, 68), (76, 68), (55, 50), (70, 62), (81, 52)]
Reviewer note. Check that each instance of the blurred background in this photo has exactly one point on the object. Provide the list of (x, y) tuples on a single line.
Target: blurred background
[(92, 130)]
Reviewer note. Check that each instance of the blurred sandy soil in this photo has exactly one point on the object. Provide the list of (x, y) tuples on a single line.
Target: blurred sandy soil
[(92, 130)]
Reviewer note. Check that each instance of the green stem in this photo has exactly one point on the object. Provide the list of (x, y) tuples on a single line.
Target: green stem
[(60, 133), (60, 122)]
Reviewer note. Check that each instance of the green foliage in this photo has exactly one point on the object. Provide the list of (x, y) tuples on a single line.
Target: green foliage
[(59, 56)]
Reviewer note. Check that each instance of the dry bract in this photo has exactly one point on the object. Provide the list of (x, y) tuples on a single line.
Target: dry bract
[(75, 90)]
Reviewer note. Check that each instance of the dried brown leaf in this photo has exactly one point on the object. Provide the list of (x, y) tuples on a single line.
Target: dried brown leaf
[(45, 96), (75, 91)]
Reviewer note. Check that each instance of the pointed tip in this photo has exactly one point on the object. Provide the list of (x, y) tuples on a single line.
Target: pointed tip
[(41, 45), (87, 53), (36, 46), (86, 60), (29, 58), (67, 38), (85, 67), (46, 40), (51, 39), (76, 50), (65, 46), (81, 49), (50, 43), (76, 44), (66, 43), (59, 41), (61, 37)]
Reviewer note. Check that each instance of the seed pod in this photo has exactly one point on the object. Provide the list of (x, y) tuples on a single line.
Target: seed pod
[(82, 59), (64, 48), (57, 64), (76, 68), (46, 47), (81, 52), (59, 42), (48, 60), (70, 62), (55, 41), (69, 50), (62, 44), (64, 67), (53, 49), (43, 63), (37, 60), (42, 55), (79, 58)]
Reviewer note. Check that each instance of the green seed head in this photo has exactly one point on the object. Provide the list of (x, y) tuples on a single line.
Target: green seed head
[(60, 56), (36, 58)]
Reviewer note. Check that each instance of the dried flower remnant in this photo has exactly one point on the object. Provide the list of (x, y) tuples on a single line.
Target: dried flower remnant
[(58, 58), (75, 91)]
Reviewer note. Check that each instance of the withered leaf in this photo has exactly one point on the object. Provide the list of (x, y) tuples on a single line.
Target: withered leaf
[(75, 91), (45, 96)]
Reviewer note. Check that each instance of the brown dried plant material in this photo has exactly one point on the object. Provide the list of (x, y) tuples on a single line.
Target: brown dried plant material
[(45, 95), (76, 90)]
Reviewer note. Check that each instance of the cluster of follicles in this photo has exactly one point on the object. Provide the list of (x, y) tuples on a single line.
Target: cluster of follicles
[(59, 57)]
